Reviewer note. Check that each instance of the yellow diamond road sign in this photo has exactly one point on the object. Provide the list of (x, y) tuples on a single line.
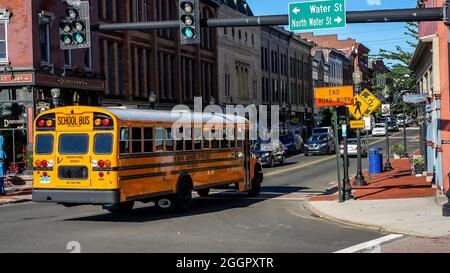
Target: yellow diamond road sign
[(364, 104)]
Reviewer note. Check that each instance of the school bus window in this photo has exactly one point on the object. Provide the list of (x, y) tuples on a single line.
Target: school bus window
[(159, 141), (198, 138), (148, 140), (124, 141), (179, 141), (206, 138), (44, 144), (103, 144), (225, 142), (232, 135), (169, 140), (240, 137), (136, 140), (188, 139), (73, 144), (215, 139)]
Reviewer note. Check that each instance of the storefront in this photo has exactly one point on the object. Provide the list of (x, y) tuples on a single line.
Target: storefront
[(24, 95)]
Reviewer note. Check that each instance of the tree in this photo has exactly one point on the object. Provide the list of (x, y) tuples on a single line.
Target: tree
[(400, 78)]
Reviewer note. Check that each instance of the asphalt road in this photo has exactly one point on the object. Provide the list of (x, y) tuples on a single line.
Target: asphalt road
[(225, 222)]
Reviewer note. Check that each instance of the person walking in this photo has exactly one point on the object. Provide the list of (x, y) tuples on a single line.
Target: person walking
[(2, 166)]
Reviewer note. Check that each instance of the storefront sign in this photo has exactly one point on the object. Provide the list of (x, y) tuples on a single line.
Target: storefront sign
[(66, 82), (16, 78), (10, 123)]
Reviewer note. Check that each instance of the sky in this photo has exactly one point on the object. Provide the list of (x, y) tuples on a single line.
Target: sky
[(374, 36)]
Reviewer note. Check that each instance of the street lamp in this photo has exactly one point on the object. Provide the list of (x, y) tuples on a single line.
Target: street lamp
[(387, 163), (359, 178), (56, 93), (152, 100), (405, 151)]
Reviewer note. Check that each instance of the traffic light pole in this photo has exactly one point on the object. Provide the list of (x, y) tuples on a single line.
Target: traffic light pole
[(353, 17)]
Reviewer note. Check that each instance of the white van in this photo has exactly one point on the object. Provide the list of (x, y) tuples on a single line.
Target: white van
[(323, 130)]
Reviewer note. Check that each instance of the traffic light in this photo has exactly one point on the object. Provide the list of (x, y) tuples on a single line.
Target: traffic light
[(189, 22), (74, 29)]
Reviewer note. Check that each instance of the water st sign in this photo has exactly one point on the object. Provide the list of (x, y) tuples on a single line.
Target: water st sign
[(317, 15), (415, 99)]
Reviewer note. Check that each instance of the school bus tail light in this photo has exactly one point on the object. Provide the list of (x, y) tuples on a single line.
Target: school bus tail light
[(44, 163), (37, 163), (102, 121), (101, 163), (107, 163), (41, 123)]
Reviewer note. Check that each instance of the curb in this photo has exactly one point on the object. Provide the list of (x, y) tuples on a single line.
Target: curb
[(15, 201), (382, 229)]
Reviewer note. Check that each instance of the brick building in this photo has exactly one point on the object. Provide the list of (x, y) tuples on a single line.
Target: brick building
[(351, 48), (430, 63), (32, 64), (137, 63)]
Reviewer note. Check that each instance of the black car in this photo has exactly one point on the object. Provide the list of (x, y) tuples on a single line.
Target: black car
[(292, 143), (320, 144), (269, 153)]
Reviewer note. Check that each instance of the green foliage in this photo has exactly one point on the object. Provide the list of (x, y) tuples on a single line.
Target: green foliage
[(418, 160), (400, 78), (398, 149)]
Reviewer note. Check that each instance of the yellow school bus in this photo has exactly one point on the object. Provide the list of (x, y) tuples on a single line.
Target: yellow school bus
[(114, 157)]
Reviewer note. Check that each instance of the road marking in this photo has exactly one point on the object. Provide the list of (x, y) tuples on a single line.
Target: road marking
[(301, 166), (370, 244)]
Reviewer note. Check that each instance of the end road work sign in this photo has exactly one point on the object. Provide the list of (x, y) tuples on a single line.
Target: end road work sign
[(317, 15)]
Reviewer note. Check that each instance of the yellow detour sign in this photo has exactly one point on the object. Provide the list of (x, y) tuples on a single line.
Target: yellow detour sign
[(364, 104), (357, 124), (333, 96)]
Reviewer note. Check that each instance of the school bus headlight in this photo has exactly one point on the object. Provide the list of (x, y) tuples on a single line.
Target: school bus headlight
[(98, 122)]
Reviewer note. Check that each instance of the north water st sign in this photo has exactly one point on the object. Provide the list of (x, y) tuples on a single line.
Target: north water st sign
[(317, 15)]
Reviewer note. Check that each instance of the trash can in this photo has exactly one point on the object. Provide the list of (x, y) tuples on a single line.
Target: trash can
[(375, 161)]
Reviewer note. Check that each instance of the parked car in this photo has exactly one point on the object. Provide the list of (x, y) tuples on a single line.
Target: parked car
[(352, 147), (392, 126), (401, 120), (269, 152), (320, 144), (379, 129), (293, 143)]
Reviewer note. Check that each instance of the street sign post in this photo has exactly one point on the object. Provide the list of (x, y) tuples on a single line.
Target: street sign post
[(317, 15), (333, 96), (415, 98), (357, 124), (364, 104)]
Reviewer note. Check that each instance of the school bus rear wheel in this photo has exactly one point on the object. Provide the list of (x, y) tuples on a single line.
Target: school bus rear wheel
[(183, 198)]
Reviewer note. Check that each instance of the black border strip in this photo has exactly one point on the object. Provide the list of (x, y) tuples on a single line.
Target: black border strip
[(207, 169), (139, 176), (159, 154), (148, 195), (205, 186)]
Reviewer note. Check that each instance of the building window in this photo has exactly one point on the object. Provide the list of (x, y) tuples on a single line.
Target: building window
[(44, 34), (68, 58), (88, 59), (3, 42)]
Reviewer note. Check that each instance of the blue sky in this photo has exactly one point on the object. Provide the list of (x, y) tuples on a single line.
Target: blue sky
[(374, 36)]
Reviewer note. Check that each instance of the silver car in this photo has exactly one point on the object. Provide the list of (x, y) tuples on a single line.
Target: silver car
[(352, 147)]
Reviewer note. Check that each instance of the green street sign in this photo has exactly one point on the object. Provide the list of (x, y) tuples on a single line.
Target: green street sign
[(317, 15)]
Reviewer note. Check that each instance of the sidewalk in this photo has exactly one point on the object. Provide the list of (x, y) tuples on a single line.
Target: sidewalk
[(18, 190), (395, 202)]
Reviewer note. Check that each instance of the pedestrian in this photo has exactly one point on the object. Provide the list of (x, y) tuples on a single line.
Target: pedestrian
[(2, 167)]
